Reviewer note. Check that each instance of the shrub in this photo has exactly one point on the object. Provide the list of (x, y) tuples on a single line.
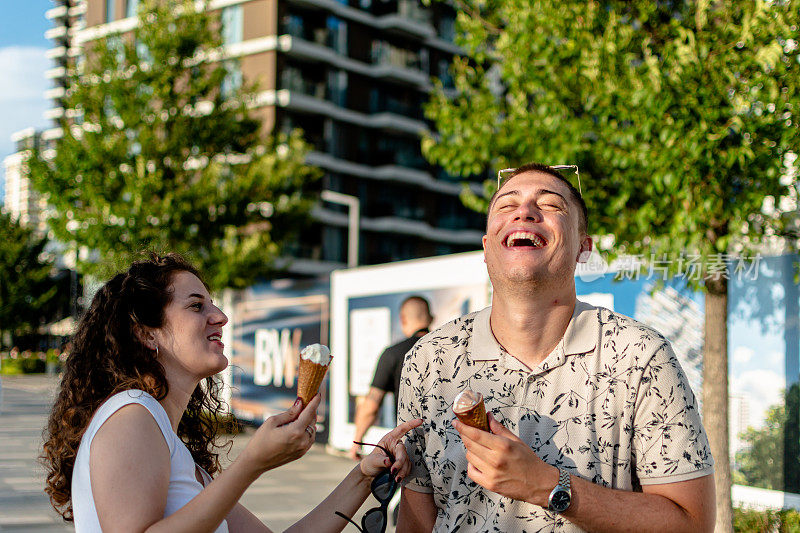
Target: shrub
[(770, 521), (32, 365)]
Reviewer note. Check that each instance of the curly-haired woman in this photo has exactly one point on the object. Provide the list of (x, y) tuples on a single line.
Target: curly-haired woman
[(130, 443)]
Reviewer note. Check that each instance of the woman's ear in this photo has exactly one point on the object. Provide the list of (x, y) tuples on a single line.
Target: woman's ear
[(146, 336)]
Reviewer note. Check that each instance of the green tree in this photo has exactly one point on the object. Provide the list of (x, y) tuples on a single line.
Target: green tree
[(682, 116), (162, 151), (29, 293), (765, 463)]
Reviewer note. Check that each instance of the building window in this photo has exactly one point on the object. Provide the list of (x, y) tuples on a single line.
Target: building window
[(131, 8), (143, 53), (337, 35), (447, 28), (233, 78), (293, 25), (232, 24), (110, 10), (115, 45)]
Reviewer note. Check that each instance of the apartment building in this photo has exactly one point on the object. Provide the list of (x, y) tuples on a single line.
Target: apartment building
[(20, 199), (354, 76)]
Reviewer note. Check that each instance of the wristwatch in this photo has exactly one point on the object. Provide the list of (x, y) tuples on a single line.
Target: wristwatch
[(560, 498)]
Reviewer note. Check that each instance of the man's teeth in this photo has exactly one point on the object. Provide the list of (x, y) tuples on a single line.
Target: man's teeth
[(215, 337), (524, 238)]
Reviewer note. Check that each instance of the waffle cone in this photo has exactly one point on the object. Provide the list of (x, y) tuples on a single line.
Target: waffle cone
[(475, 417), (309, 378)]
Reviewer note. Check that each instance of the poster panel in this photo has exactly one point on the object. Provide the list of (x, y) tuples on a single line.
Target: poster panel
[(360, 297), (271, 324)]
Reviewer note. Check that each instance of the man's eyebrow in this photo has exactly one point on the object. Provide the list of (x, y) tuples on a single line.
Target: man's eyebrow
[(196, 295), (547, 191), (516, 192), (507, 193)]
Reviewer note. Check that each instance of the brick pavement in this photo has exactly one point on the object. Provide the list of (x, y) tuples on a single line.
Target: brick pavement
[(278, 498)]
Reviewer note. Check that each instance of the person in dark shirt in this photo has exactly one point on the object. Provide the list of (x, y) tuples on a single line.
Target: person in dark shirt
[(415, 318)]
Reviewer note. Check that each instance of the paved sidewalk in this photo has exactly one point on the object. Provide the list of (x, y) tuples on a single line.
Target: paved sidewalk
[(278, 498)]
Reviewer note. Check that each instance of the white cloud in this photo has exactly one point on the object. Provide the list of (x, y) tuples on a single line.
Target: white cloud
[(776, 359), (22, 101), (23, 69), (743, 354), (761, 389)]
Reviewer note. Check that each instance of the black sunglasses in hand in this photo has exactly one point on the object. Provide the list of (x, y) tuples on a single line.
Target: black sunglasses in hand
[(383, 488)]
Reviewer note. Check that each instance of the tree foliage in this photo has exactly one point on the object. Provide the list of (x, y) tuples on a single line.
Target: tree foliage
[(680, 114), (771, 460), (29, 293), (162, 151)]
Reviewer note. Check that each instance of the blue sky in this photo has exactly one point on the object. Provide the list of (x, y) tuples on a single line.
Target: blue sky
[(22, 67)]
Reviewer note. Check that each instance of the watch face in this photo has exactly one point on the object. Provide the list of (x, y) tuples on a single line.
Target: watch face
[(560, 501)]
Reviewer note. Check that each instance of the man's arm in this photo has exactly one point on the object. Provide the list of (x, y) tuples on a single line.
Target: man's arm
[(670, 507), (366, 414), (417, 512), (502, 463)]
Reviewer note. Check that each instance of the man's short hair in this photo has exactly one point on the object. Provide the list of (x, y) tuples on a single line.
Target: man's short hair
[(538, 167), (420, 304)]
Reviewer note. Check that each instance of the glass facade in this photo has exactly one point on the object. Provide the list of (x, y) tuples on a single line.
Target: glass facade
[(131, 8), (232, 24)]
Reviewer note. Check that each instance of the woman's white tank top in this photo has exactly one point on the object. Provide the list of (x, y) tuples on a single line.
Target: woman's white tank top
[(183, 485)]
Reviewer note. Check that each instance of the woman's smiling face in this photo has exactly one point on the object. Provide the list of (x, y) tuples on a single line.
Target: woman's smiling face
[(190, 342)]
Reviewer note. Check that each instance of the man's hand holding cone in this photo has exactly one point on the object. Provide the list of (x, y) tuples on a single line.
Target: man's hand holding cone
[(470, 409)]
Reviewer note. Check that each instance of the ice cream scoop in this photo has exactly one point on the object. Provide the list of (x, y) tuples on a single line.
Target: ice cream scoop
[(470, 409), (314, 362)]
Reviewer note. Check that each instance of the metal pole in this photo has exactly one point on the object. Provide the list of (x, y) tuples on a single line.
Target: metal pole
[(353, 218)]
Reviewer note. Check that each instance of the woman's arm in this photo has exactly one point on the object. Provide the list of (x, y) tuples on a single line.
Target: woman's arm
[(350, 494), (129, 462), (346, 498)]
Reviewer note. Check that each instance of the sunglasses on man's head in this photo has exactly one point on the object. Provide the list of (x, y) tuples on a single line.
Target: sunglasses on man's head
[(383, 488), (501, 179)]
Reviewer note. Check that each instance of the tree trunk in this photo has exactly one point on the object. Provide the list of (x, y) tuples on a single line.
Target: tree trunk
[(715, 395)]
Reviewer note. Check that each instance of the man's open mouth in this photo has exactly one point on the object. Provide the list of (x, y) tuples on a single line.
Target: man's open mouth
[(524, 239)]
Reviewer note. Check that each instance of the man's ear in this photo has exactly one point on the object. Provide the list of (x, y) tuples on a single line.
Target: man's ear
[(585, 250), (483, 243)]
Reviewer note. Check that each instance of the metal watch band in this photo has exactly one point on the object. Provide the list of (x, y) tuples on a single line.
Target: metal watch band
[(563, 478)]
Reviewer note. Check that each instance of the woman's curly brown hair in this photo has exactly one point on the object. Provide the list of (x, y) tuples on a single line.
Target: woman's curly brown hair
[(108, 357)]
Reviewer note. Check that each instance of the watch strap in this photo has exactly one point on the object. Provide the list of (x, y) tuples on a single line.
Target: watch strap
[(562, 487), (563, 478)]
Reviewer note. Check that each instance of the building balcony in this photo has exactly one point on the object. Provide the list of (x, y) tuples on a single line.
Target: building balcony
[(23, 136), (56, 53), (54, 113), (56, 12), (77, 10), (91, 33), (294, 99), (403, 226), (309, 51), (400, 24), (55, 93), (55, 73), (56, 33), (389, 173)]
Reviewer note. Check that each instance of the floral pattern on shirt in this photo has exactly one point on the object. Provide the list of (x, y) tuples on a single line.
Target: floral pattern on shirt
[(619, 415)]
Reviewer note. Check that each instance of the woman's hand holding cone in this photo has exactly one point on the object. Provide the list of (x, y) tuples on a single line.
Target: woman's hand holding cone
[(284, 437)]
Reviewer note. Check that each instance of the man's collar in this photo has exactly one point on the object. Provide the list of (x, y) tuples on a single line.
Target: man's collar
[(580, 337), (420, 332)]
